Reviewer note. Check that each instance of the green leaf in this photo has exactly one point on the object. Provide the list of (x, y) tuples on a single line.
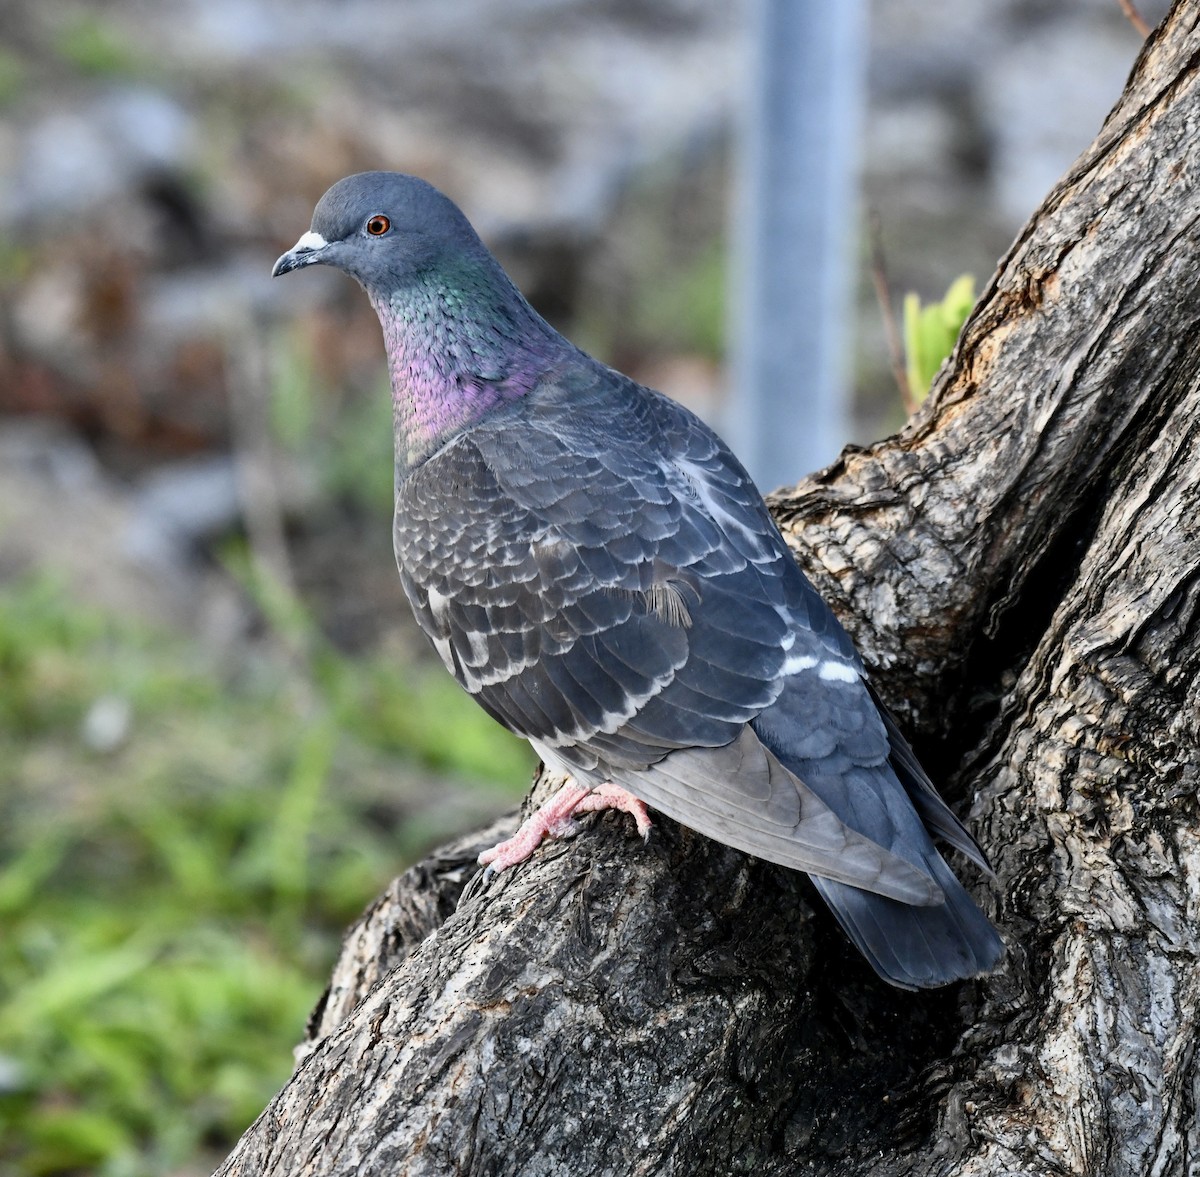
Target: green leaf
[(930, 332), (21, 878), (74, 983)]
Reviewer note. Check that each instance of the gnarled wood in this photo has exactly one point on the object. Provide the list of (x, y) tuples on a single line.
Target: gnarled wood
[(1020, 568)]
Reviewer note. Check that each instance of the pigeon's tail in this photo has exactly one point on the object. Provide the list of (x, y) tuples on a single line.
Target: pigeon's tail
[(917, 947)]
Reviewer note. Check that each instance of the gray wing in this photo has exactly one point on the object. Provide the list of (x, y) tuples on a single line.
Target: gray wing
[(595, 567)]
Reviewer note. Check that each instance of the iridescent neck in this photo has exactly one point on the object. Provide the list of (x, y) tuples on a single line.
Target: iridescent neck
[(458, 346)]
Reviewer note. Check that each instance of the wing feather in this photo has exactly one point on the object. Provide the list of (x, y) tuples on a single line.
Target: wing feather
[(740, 794)]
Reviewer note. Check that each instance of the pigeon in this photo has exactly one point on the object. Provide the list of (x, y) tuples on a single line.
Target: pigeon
[(596, 568)]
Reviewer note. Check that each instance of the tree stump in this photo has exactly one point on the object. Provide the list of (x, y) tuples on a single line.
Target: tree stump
[(1021, 570)]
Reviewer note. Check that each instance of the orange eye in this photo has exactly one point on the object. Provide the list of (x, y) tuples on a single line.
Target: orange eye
[(378, 225)]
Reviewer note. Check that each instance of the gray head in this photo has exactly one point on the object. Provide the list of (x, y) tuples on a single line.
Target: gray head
[(384, 229)]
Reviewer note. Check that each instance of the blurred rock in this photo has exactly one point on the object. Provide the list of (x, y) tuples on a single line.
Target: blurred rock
[(75, 157), (106, 725), (14, 1076), (62, 515), (59, 514), (179, 505)]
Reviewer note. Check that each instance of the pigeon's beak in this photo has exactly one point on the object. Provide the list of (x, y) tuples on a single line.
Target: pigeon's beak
[(305, 252)]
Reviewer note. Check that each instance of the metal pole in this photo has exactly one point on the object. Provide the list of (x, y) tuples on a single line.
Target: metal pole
[(795, 212)]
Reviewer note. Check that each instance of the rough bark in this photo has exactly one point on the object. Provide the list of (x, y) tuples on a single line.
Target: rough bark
[(1020, 569)]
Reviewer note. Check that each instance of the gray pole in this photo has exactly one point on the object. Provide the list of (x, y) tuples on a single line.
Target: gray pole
[(795, 210)]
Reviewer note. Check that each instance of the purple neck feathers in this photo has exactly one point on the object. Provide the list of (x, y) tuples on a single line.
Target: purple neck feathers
[(459, 346)]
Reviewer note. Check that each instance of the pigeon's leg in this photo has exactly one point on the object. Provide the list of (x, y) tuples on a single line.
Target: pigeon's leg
[(554, 820)]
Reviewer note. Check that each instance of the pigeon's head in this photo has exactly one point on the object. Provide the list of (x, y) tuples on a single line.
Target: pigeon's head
[(382, 228)]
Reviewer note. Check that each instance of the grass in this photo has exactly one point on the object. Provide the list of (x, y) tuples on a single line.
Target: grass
[(174, 878)]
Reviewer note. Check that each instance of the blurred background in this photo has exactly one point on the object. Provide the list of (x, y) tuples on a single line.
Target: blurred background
[(219, 737)]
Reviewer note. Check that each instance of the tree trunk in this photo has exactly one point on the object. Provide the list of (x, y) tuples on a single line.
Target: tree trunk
[(1021, 570)]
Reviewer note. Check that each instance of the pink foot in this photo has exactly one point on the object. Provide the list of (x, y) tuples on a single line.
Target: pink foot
[(554, 820), (610, 796)]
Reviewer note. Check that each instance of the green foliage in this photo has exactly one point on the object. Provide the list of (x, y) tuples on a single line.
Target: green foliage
[(661, 286), (931, 331), (684, 307), (94, 46), (349, 445), (13, 76), (294, 396), (380, 700), (171, 901), (357, 463)]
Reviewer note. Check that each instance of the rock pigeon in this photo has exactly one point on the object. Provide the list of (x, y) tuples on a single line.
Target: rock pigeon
[(592, 564)]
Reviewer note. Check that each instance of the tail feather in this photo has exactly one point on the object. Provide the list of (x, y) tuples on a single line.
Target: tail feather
[(917, 947), (936, 814)]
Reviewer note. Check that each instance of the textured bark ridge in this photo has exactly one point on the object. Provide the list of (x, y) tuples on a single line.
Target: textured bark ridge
[(1021, 569)]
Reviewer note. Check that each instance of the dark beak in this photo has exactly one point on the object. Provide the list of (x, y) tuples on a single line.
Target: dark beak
[(306, 252)]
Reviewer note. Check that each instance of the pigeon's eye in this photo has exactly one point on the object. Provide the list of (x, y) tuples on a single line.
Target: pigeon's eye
[(378, 225)]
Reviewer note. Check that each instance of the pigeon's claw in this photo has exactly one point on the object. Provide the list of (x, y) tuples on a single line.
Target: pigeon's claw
[(610, 796), (555, 819)]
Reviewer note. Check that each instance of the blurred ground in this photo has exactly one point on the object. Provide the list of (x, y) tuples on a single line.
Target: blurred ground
[(157, 157), (218, 735)]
